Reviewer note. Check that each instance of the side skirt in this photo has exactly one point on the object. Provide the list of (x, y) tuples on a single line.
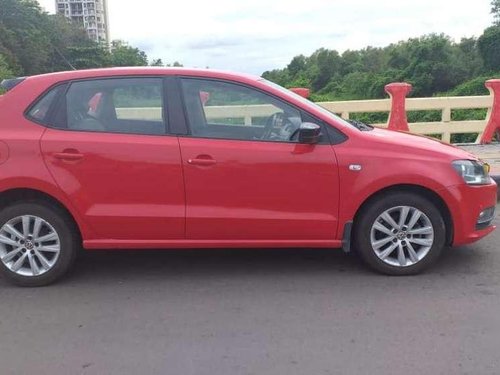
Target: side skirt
[(214, 244)]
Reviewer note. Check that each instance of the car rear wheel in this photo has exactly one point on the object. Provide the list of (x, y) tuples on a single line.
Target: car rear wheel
[(37, 244), (400, 234)]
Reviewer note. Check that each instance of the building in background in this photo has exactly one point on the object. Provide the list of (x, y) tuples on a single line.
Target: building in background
[(92, 14)]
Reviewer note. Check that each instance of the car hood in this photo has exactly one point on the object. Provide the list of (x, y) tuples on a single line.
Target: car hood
[(407, 141)]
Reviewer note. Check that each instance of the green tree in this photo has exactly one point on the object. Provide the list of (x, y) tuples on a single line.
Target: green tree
[(34, 42), (327, 64), (124, 55), (5, 71), (65, 38), (23, 37), (87, 56), (157, 62), (279, 76), (429, 63), (489, 48), (297, 65), (495, 10)]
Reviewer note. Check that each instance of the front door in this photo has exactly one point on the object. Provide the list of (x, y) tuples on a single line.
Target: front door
[(110, 154), (246, 176)]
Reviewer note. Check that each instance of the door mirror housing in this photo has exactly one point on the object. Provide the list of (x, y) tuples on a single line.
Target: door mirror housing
[(309, 133)]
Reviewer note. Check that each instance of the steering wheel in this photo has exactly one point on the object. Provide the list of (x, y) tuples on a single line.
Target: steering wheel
[(279, 127), (271, 123)]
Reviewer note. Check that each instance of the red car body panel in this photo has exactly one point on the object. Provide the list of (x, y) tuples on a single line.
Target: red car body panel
[(137, 191), (265, 190), (133, 190)]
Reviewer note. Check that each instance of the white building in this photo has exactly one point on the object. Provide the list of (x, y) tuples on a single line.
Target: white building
[(92, 14)]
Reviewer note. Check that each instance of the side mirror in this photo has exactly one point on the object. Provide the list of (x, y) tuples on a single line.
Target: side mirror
[(309, 133)]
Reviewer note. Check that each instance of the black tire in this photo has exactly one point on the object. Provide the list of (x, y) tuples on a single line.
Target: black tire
[(370, 213), (68, 238)]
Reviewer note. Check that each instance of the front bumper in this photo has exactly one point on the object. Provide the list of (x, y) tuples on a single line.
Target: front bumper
[(497, 180), (466, 203)]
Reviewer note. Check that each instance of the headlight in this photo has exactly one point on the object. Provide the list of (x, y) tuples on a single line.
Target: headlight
[(473, 172)]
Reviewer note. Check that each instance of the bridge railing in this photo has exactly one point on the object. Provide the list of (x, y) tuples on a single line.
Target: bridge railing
[(397, 107), (444, 128)]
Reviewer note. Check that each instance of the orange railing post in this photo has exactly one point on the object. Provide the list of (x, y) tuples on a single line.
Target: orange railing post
[(493, 123), (397, 118), (305, 93)]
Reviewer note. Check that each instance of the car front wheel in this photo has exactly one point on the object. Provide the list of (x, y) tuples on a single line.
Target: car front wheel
[(400, 233), (37, 244)]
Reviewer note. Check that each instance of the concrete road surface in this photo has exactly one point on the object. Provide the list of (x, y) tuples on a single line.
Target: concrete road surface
[(305, 312)]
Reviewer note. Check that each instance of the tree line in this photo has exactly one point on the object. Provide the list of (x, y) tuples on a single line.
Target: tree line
[(434, 64), (34, 42)]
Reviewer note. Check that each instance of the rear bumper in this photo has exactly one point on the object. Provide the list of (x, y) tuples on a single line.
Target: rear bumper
[(466, 204)]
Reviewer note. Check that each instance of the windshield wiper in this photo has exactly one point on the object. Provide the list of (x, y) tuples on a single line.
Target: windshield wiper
[(360, 125)]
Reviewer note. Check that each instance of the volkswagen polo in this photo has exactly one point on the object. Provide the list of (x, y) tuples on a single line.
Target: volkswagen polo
[(184, 158)]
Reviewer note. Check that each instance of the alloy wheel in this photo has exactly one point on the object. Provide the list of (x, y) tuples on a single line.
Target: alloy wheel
[(29, 245), (402, 236)]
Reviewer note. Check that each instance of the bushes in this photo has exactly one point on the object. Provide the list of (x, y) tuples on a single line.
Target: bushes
[(5, 71)]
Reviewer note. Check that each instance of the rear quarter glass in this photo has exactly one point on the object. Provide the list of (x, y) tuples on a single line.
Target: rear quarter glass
[(42, 109)]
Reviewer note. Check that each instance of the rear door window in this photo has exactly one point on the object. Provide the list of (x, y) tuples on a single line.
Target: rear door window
[(116, 105)]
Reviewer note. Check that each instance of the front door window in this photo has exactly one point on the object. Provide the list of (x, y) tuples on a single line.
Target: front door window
[(225, 110)]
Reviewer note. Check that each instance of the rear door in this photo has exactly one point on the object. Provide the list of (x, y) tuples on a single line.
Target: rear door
[(109, 151)]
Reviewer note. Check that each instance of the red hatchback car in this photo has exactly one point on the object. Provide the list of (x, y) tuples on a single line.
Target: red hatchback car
[(185, 158)]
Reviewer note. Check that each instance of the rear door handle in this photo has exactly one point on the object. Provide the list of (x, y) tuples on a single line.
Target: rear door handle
[(202, 160), (68, 155)]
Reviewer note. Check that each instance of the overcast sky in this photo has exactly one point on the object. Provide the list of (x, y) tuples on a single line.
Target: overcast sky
[(258, 35)]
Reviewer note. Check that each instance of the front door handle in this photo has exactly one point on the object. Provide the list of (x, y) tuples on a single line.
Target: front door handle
[(68, 155), (202, 160)]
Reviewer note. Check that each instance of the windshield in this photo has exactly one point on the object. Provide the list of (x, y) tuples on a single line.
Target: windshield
[(326, 112)]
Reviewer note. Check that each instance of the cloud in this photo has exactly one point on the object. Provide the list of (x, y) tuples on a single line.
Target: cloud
[(262, 35), (213, 43)]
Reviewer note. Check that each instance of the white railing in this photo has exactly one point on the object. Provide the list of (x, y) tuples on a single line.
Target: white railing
[(445, 128)]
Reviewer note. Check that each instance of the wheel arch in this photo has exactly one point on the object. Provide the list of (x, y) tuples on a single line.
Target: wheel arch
[(431, 195), (8, 197)]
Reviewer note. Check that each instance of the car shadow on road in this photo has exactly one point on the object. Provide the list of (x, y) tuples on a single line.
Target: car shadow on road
[(105, 266), (212, 262), (109, 266)]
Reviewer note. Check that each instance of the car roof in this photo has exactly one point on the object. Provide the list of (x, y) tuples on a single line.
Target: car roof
[(142, 71)]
